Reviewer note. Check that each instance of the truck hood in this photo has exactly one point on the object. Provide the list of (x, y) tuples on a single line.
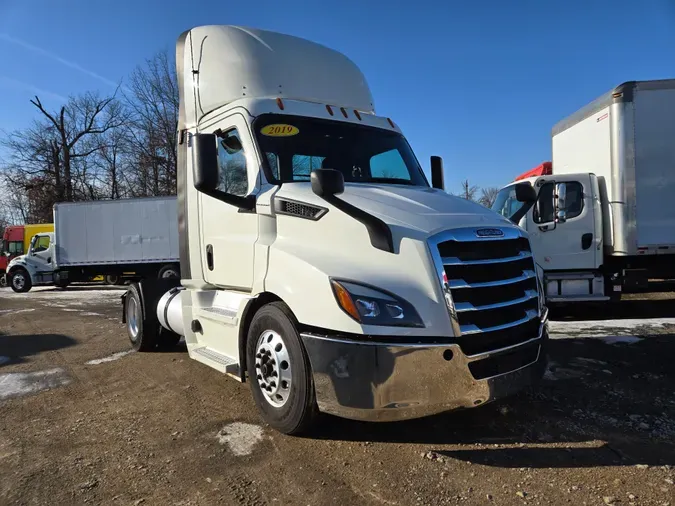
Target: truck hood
[(20, 260), (425, 210)]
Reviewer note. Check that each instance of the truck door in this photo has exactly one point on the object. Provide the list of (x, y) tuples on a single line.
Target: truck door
[(40, 253), (228, 234), (572, 241)]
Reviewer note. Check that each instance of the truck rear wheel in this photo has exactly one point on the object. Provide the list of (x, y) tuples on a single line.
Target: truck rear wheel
[(20, 281), (169, 271), (279, 371), (142, 331)]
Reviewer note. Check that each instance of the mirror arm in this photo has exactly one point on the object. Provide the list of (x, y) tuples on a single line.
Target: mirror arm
[(378, 230), (247, 203), (518, 215)]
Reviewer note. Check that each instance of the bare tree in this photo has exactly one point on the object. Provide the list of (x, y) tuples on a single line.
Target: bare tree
[(468, 191), (153, 104), (75, 121), (488, 196)]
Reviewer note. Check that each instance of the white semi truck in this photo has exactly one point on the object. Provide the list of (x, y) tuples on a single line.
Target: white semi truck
[(604, 220), (316, 260), (132, 238)]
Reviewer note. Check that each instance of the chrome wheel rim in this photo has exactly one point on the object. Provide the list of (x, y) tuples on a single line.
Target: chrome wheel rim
[(273, 368), (132, 318), (18, 280), (169, 274)]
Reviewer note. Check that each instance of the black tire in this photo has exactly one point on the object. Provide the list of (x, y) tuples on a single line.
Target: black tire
[(112, 279), (3, 280), (142, 331), (299, 411), (169, 271), (20, 281)]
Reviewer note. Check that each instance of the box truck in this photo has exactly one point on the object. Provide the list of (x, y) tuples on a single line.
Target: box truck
[(604, 220), (317, 262), (103, 237), (15, 241)]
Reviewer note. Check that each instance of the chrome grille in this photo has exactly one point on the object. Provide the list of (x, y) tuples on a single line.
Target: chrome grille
[(493, 287)]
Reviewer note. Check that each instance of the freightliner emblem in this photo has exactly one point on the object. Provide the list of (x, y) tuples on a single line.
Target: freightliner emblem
[(489, 232)]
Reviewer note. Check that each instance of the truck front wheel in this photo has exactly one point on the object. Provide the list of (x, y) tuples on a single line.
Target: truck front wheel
[(20, 281), (169, 271), (279, 371)]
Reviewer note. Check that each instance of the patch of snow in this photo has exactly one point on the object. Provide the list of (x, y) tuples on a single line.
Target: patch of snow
[(240, 437), (597, 326), (89, 313), (71, 310), (620, 339), (109, 358), (15, 311), (4, 360), (18, 384)]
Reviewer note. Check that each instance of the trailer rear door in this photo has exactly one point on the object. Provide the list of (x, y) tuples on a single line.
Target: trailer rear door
[(655, 169)]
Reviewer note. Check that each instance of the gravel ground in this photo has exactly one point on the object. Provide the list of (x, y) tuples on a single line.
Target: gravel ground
[(84, 421)]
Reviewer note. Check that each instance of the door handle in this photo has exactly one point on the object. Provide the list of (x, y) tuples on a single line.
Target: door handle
[(209, 256), (586, 241)]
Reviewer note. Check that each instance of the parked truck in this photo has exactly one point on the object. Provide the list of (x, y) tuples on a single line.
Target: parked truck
[(15, 241), (604, 219), (137, 237), (317, 261)]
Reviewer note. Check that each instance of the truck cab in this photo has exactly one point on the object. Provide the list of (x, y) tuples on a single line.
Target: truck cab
[(317, 262), (565, 228), (36, 267)]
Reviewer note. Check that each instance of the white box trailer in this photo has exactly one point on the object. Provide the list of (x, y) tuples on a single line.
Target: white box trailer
[(119, 239), (626, 138), (604, 220), (105, 232)]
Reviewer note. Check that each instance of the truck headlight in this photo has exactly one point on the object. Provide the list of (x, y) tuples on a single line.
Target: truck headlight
[(371, 306)]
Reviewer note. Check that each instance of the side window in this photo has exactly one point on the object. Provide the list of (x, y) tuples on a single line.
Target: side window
[(273, 162), (543, 209), (389, 165), (42, 244), (575, 200), (303, 165), (15, 248), (233, 177)]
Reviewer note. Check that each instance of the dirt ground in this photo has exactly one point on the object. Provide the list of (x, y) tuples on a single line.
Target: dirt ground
[(83, 421)]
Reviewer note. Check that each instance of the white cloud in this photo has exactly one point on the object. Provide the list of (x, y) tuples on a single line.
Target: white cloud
[(9, 82), (38, 50)]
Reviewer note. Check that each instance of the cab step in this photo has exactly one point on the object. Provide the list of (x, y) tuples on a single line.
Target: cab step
[(217, 360)]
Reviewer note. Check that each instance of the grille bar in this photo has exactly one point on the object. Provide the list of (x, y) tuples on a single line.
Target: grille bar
[(474, 329), (457, 261), (492, 285), (461, 307), (460, 283)]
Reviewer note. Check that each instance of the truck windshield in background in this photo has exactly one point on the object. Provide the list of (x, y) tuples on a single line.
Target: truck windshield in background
[(506, 203), (293, 147)]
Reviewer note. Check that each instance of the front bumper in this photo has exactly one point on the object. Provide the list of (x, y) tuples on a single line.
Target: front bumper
[(378, 381)]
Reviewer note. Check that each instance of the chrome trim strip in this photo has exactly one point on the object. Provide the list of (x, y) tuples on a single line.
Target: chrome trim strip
[(343, 340), (468, 234), (467, 330), (457, 261), (461, 307), (460, 283)]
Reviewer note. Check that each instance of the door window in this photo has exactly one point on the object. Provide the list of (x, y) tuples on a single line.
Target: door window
[(233, 177), (42, 244), (544, 211)]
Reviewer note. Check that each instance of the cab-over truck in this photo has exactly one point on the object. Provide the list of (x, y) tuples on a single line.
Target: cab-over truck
[(316, 260)]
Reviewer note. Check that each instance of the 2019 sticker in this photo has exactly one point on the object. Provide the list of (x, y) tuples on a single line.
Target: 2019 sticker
[(279, 130)]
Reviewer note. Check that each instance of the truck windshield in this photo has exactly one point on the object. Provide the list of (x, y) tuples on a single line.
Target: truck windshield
[(506, 203), (294, 146)]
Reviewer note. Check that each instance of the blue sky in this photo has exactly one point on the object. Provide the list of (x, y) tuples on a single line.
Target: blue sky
[(479, 83)]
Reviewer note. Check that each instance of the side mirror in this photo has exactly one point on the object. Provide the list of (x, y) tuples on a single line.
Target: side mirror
[(437, 173), (526, 193), (327, 182), (560, 202), (206, 171)]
